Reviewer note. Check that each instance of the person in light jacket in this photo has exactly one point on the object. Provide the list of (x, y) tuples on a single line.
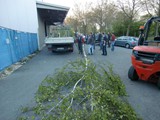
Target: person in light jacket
[(91, 44)]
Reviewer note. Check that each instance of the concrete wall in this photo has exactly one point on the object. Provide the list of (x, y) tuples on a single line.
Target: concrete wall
[(41, 32), (19, 15)]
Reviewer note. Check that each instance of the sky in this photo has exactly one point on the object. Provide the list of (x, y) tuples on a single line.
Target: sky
[(67, 3)]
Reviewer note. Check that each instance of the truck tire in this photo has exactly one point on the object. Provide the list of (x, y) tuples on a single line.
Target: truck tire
[(158, 83), (71, 50), (132, 74)]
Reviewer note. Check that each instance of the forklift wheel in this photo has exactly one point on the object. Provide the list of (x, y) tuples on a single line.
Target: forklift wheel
[(132, 74), (158, 83)]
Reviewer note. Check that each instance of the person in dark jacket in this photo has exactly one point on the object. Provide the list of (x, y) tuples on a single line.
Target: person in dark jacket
[(109, 38), (104, 44), (100, 40), (80, 43)]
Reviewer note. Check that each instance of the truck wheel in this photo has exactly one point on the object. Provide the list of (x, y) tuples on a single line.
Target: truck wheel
[(72, 49), (127, 46), (132, 74), (158, 83)]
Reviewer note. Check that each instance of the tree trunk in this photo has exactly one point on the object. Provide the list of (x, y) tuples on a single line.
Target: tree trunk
[(128, 30)]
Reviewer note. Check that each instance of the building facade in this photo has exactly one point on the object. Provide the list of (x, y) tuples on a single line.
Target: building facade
[(23, 27)]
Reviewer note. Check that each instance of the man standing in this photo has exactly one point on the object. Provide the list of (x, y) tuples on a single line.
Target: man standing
[(94, 39), (113, 37), (100, 40), (91, 44), (109, 38), (80, 43), (104, 44)]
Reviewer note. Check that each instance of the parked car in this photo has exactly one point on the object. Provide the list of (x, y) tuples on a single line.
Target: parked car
[(126, 41)]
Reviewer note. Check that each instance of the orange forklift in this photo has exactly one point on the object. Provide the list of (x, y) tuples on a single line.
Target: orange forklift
[(146, 56)]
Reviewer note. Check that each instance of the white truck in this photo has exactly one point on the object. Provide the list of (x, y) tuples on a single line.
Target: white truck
[(59, 39)]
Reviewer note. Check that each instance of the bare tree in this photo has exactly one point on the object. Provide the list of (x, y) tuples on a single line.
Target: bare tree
[(103, 14), (73, 22), (78, 15), (152, 7), (111, 13), (80, 12), (130, 8), (99, 14), (90, 17)]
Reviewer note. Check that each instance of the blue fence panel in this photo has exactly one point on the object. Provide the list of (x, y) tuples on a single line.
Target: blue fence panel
[(5, 56), (19, 45), (30, 43), (15, 45), (34, 41), (25, 45)]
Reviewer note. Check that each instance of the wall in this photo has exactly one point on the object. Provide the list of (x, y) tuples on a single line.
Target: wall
[(18, 30), (19, 15), (41, 31), (15, 45)]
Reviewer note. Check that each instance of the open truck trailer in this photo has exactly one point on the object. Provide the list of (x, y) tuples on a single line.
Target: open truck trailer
[(59, 39), (146, 56)]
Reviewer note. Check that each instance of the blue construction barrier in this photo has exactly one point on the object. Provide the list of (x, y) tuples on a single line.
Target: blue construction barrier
[(5, 56), (15, 45)]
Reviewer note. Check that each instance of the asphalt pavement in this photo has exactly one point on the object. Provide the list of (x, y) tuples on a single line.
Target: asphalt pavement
[(143, 96), (19, 88)]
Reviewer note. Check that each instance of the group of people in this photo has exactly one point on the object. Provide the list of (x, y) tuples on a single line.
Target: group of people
[(102, 39)]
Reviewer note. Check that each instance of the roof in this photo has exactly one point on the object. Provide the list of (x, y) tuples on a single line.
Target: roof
[(51, 13)]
